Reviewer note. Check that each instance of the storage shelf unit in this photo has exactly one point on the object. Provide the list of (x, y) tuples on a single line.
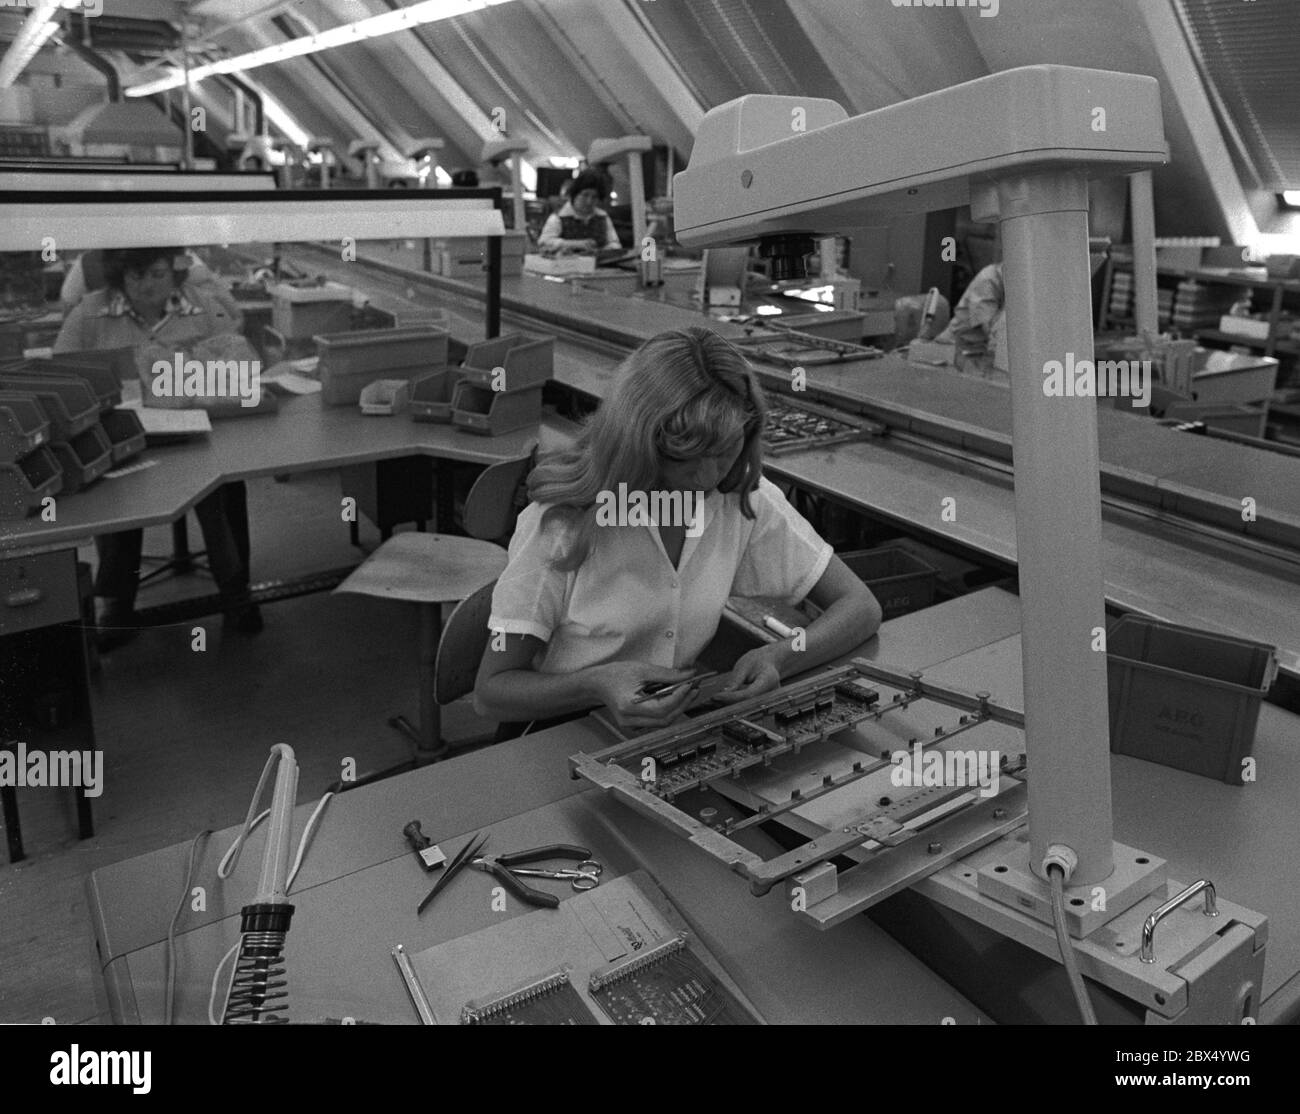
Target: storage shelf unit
[(1281, 288)]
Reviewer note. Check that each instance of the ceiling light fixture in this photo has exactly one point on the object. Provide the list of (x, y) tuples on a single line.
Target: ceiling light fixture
[(36, 29), (403, 19)]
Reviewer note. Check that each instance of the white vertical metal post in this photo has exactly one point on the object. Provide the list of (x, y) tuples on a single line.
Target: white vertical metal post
[(517, 190), (637, 186), (1143, 214), (826, 253), (1044, 224)]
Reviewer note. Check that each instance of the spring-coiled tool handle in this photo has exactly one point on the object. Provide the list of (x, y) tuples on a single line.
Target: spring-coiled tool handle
[(259, 971)]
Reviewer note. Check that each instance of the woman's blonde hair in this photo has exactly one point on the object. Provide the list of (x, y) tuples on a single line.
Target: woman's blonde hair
[(681, 395)]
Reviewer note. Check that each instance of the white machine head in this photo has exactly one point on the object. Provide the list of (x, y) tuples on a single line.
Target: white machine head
[(786, 169), (501, 147), (607, 150), (419, 148)]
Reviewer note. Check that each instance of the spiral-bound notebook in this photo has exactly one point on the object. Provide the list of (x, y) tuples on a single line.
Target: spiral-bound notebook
[(619, 954)]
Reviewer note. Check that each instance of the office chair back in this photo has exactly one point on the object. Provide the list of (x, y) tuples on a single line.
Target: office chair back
[(490, 506), (464, 639)]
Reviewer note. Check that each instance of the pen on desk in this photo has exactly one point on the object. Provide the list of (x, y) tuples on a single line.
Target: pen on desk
[(668, 690), (777, 627), (929, 311)]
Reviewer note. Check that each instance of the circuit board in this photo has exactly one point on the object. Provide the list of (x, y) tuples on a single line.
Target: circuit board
[(667, 985), (651, 771), (550, 1000), (792, 426), (791, 347), (755, 739)]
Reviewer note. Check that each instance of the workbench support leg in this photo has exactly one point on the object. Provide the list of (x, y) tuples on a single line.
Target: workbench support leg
[(427, 733), (1044, 223), (13, 832)]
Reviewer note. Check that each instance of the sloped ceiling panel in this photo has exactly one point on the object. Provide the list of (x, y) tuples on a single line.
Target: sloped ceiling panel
[(622, 59), (728, 48), (882, 55), (1110, 35), (503, 58)]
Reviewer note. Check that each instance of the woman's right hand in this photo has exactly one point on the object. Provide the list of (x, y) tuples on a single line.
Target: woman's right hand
[(619, 683)]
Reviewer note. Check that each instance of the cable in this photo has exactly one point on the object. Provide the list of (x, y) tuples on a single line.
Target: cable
[(169, 1001), (1057, 876), (307, 833), (216, 977)]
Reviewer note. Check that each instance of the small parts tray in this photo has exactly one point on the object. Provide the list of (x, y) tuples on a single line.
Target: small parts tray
[(69, 402), (24, 483), (431, 396), (124, 432), (99, 377), (83, 458), (481, 410), (349, 361), (23, 425), (513, 362)]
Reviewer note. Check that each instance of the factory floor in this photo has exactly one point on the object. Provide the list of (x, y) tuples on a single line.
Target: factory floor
[(185, 735)]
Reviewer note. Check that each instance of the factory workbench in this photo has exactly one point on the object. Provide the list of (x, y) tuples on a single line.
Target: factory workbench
[(356, 896)]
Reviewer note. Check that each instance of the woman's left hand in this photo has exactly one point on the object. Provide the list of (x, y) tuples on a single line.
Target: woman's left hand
[(754, 673)]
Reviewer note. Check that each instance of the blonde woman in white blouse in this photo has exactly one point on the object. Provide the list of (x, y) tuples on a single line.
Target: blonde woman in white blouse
[(596, 601)]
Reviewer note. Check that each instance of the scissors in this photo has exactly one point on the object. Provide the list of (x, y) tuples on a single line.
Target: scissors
[(510, 868)]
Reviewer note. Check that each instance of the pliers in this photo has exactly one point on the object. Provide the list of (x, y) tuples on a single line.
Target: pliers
[(505, 868)]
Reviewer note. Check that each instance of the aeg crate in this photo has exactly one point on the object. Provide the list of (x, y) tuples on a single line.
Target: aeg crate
[(83, 458), (124, 432), (431, 396), (349, 361), (900, 581), (493, 412), (23, 425), (1184, 697), (304, 311), (523, 361), (69, 403), (100, 378), (24, 483)]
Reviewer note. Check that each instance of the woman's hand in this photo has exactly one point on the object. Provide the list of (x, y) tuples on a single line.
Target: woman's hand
[(755, 672), (619, 683)]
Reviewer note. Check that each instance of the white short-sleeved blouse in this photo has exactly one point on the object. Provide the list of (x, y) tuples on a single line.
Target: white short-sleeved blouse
[(626, 602)]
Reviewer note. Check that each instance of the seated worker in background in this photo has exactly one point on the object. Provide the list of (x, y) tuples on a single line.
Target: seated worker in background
[(580, 224), (147, 304), (87, 274), (978, 323), (595, 609)]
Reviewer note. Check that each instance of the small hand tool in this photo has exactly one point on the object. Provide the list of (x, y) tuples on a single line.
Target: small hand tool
[(428, 852), (413, 987), (653, 690), (472, 847), (506, 868)]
